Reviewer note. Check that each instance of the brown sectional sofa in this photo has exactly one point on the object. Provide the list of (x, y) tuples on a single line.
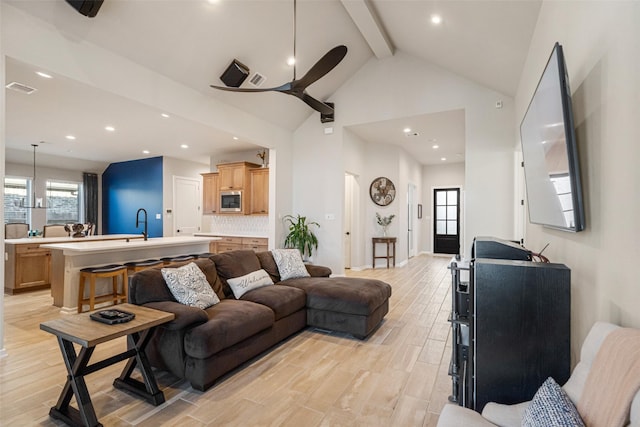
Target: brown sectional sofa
[(202, 345)]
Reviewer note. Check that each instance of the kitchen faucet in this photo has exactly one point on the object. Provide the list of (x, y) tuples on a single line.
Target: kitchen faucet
[(144, 233)]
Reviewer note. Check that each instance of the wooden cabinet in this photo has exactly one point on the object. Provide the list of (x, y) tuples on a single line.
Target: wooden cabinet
[(229, 243), (210, 193), (235, 176), (28, 267), (256, 243), (260, 191), (233, 243)]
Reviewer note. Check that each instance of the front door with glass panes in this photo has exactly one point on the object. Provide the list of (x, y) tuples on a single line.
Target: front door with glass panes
[(446, 224)]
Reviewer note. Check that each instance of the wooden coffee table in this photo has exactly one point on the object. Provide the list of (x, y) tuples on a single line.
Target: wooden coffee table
[(80, 329)]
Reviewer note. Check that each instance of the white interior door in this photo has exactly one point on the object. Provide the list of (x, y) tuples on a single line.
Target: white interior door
[(411, 215), (186, 206), (348, 218)]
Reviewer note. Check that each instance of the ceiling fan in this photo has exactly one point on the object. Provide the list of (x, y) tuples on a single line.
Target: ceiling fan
[(297, 87)]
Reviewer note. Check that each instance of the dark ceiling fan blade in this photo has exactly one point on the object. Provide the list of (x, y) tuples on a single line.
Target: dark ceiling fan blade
[(325, 64), (283, 88), (315, 104)]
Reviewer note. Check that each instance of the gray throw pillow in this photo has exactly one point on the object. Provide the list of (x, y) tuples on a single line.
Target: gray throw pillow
[(189, 286), (289, 262), (551, 406)]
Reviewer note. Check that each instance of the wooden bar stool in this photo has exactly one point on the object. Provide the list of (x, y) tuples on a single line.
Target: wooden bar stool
[(203, 255), (107, 271), (135, 266), (181, 258)]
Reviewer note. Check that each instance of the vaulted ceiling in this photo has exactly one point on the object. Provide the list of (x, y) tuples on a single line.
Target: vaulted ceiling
[(192, 42)]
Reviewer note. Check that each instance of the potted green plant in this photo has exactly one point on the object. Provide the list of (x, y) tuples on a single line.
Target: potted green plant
[(300, 235)]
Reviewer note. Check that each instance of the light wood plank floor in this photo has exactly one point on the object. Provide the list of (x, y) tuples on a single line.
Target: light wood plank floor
[(397, 377)]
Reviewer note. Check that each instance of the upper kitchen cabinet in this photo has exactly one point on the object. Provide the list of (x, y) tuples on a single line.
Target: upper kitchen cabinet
[(260, 191), (210, 193), (235, 176)]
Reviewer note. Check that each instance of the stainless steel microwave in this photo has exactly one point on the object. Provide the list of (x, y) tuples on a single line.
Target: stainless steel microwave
[(231, 201)]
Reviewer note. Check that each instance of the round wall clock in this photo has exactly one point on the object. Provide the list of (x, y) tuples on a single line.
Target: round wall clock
[(382, 191)]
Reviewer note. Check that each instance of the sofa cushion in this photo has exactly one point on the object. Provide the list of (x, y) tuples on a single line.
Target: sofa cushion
[(269, 265), (230, 322), (350, 295), (235, 264), (149, 286), (551, 406), (283, 300), (248, 282), (189, 286), (289, 262)]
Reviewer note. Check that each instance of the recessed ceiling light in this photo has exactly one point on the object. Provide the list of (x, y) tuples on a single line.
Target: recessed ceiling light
[(71, 137), (443, 158), (109, 128), (436, 19), (184, 146), (45, 75), (435, 146), (145, 151), (406, 130), (165, 115), (213, 1), (235, 138), (290, 61)]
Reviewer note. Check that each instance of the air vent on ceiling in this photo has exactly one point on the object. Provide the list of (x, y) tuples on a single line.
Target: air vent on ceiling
[(19, 87), (257, 79)]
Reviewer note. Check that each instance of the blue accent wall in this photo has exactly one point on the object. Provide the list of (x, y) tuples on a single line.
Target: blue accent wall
[(127, 187)]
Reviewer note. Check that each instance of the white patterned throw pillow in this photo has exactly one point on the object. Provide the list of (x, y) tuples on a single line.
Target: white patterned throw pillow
[(189, 286), (254, 280), (289, 262), (551, 407)]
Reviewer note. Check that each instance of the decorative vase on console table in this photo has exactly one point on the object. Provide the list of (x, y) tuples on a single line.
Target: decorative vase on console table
[(384, 222)]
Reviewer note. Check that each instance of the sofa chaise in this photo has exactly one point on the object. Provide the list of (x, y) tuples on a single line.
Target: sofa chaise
[(202, 344)]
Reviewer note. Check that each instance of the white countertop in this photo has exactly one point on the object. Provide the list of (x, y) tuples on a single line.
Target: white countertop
[(46, 240), (88, 247), (213, 234)]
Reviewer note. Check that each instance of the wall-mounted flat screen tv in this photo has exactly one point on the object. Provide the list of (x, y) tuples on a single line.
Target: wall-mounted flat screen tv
[(550, 153)]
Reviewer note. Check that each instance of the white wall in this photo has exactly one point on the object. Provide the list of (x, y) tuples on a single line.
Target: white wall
[(437, 176), (396, 87), (600, 41)]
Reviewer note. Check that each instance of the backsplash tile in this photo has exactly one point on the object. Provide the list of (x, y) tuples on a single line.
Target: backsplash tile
[(240, 225)]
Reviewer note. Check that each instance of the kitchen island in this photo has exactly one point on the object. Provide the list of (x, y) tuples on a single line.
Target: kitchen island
[(27, 265), (69, 258)]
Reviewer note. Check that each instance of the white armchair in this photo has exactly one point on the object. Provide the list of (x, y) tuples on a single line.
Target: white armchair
[(495, 414)]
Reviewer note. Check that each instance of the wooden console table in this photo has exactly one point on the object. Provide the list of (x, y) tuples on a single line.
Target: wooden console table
[(391, 244), (81, 330)]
